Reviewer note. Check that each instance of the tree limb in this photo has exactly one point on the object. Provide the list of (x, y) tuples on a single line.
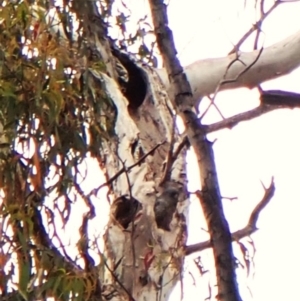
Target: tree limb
[(270, 100), (277, 60), (280, 98), (247, 230), (236, 119), (211, 198)]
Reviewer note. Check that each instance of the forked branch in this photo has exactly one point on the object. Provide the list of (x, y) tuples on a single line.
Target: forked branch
[(269, 101), (247, 230)]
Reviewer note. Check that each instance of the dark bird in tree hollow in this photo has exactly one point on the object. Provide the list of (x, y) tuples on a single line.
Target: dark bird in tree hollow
[(124, 210), (164, 208)]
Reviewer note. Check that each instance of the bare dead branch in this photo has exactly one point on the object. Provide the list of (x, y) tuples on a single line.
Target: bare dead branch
[(212, 203), (247, 230), (270, 101), (255, 26), (236, 119), (251, 226), (228, 81), (258, 29)]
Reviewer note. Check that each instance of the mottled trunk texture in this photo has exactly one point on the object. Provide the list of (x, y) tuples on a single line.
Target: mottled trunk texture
[(143, 158), (141, 261)]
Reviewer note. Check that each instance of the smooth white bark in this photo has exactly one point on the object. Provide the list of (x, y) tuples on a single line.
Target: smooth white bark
[(274, 61)]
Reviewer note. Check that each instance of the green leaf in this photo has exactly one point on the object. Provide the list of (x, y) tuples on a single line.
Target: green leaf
[(55, 102)]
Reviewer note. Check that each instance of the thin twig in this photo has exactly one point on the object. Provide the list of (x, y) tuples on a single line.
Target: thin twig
[(247, 230), (256, 26), (123, 169), (182, 144), (236, 119), (170, 159), (119, 282), (225, 81)]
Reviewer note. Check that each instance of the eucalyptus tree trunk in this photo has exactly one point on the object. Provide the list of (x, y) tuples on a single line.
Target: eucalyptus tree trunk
[(143, 162), (141, 260)]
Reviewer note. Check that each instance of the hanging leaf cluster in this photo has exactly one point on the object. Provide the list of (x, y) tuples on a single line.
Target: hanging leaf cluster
[(53, 114)]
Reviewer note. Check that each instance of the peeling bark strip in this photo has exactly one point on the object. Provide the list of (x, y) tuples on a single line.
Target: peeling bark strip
[(211, 199)]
